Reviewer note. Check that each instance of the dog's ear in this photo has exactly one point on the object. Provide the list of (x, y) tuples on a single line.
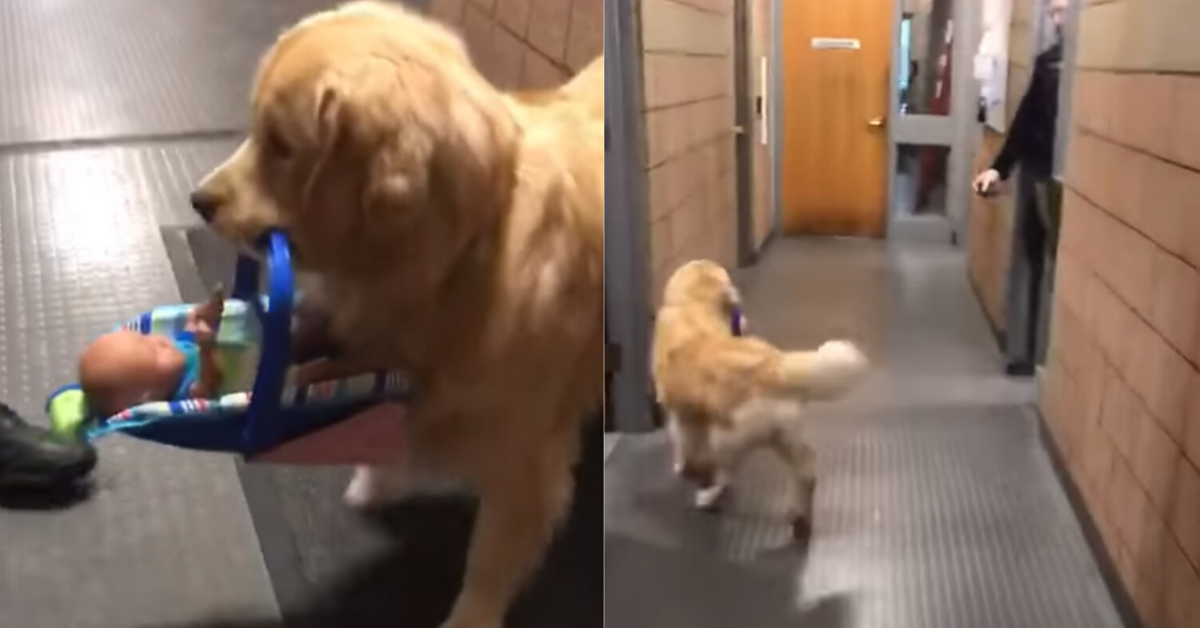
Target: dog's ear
[(327, 126), (394, 188), (328, 103)]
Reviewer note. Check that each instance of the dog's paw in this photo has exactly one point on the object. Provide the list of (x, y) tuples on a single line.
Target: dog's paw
[(364, 491), (464, 624), (373, 487), (709, 498), (801, 530), (478, 620)]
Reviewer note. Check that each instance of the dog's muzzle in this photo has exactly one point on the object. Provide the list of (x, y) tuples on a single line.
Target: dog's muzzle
[(205, 204)]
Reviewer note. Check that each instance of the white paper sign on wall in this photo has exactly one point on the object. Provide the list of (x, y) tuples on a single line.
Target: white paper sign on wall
[(835, 43)]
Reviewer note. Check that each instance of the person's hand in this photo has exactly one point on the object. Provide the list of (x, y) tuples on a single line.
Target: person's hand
[(374, 436), (986, 180)]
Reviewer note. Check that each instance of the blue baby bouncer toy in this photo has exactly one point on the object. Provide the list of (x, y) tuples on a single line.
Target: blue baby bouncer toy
[(256, 409)]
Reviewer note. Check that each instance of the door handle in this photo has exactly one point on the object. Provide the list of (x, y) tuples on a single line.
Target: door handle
[(877, 123)]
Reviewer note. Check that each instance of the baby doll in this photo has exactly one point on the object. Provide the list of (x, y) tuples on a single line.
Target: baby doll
[(124, 368)]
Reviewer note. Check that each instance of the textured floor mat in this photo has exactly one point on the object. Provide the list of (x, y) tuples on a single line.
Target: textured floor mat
[(78, 70), (926, 518), (166, 536), (331, 567)]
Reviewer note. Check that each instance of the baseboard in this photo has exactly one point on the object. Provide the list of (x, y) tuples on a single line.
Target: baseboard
[(758, 253), (1122, 600), (998, 334)]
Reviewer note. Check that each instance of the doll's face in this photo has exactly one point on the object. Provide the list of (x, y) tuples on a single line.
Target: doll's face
[(124, 369)]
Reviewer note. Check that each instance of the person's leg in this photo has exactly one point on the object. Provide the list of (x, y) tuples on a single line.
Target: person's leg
[(33, 457), (1023, 280), (1035, 254)]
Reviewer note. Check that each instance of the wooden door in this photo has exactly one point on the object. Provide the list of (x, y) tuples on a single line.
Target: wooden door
[(758, 43), (835, 103)]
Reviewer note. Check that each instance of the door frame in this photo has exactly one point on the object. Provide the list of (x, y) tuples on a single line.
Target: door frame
[(626, 242), (749, 249), (1017, 320), (743, 155), (956, 130), (774, 120)]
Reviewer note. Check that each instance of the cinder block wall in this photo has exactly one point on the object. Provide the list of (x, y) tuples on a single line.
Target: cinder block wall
[(1122, 391), (527, 44), (687, 69), (990, 224)]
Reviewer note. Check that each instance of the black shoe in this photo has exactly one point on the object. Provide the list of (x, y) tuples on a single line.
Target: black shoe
[(34, 457)]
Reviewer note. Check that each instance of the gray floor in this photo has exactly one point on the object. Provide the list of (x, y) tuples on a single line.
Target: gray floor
[(937, 506), (110, 112)]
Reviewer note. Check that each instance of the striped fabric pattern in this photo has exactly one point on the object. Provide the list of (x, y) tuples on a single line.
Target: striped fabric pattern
[(238, 323), (239, 326)]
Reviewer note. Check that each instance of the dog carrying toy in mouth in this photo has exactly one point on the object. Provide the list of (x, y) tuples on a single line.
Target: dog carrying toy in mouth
[(726, 393), (738, 322)]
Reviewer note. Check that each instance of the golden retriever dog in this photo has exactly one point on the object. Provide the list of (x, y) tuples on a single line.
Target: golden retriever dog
[(452, 230), (727, 394)]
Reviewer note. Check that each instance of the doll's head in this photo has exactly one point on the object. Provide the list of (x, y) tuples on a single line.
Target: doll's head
[(123, 369)]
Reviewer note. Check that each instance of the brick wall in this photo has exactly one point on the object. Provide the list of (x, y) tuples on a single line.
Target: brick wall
[(1122, 392), (688, 81), (527, 44), (990, 222)]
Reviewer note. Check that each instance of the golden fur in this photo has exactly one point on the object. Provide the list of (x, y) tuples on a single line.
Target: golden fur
[(452, 230), (727, 394)]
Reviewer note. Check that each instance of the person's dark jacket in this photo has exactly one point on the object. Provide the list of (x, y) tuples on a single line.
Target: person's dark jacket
[(1030, 140)]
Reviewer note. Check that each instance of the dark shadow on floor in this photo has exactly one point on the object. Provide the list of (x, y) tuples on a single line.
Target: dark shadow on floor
[(414, 582), (45, 499)]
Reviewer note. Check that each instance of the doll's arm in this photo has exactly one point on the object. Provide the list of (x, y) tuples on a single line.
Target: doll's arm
[(209, 382), (208, 313)]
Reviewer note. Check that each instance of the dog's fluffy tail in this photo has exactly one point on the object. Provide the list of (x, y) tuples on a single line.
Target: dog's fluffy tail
[(825, 374)]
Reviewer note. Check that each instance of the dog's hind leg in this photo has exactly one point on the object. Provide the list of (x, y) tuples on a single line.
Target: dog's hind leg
[(800, 458), (689, 444)]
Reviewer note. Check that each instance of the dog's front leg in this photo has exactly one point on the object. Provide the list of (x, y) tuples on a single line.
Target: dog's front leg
[(518, 515)]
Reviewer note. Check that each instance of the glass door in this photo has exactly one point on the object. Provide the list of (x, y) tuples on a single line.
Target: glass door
[(932, 94)]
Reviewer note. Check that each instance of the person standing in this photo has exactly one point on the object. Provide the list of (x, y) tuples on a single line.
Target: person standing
[(1030, 139), (1030, 143)]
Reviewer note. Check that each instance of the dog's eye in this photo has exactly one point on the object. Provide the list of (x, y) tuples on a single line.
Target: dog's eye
[(276, 146)]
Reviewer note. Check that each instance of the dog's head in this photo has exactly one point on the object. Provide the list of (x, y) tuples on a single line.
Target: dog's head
[(702, 284), (373, 143)]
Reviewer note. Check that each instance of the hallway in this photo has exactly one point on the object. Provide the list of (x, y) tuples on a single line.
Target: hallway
[(937, 505)]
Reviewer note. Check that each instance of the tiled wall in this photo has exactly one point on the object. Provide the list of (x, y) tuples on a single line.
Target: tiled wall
[(1122, 392), (688, 81), (527, 44), (990, 225)]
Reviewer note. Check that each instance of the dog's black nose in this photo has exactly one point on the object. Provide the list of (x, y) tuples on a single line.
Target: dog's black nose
[(205, 204)]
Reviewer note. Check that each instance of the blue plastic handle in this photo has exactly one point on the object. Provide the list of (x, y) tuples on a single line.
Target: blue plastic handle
[(263, 427)]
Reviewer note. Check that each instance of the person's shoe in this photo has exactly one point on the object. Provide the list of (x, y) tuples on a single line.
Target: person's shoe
[(34, 457)]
